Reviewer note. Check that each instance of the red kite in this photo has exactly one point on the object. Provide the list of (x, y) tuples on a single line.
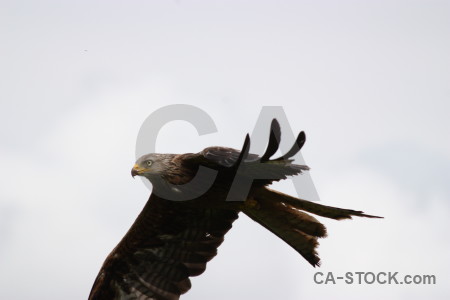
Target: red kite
[(172, 240)]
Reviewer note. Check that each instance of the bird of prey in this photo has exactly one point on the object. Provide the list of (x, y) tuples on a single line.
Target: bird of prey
[(188, 214)]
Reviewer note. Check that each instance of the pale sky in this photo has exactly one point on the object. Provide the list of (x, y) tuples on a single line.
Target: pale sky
[(368, 81)]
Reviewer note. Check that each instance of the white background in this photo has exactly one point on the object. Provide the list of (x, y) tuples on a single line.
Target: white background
[(367, 80)]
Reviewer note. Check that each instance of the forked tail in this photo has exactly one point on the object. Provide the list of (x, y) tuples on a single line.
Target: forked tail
[(282, 215)]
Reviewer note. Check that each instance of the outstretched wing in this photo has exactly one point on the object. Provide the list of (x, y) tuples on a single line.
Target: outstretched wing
[(261, 168), (168, 243)]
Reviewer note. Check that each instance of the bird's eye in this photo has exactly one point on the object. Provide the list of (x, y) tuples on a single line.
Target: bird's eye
[(149, 163)]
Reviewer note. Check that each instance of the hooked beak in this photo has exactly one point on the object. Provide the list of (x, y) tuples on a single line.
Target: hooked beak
[(137, 170)]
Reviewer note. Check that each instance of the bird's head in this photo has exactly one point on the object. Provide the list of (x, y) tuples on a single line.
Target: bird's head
[(151, 165)]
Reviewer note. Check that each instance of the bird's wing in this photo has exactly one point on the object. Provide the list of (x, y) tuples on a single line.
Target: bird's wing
[(168, 243), (261, 168)]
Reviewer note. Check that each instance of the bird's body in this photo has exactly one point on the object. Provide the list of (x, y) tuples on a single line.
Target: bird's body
[(187, 216)]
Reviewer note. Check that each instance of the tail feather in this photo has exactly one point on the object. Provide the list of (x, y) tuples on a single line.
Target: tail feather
[(312, 207), (296, 228), (280, 214)]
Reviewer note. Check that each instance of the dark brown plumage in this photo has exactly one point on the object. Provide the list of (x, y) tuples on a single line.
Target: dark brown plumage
[(172, 240)]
